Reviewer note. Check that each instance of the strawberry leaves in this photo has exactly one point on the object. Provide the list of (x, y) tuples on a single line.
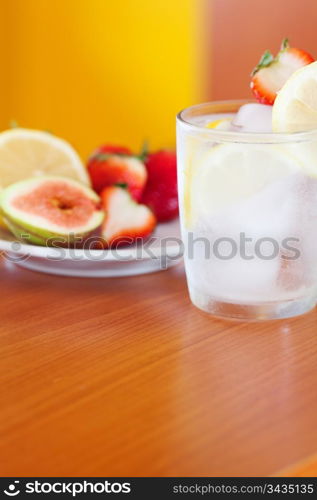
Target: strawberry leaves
[(266, 59), (284, 44)]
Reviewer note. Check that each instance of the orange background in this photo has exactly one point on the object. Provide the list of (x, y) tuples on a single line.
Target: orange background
[(241, 30)]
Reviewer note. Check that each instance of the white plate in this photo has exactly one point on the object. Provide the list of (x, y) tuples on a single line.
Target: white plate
[(162, 250)]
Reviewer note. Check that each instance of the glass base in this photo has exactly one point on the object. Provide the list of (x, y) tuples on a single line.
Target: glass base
[(252, 312)]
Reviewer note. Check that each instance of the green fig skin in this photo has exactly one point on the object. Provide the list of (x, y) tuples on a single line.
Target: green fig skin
[(26, 235), (27, 232), (23, 235)]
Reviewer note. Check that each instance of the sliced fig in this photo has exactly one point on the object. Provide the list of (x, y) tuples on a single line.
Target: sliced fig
[(51, 210)]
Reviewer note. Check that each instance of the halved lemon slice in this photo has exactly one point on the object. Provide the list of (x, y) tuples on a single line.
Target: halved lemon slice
[(226, 174), (26, 153), (295, 107)]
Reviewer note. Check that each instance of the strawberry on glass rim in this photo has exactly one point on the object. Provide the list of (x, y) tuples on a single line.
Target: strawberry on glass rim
[(271, 73)]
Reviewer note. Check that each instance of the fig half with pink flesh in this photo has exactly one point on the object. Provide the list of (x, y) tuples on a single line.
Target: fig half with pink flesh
[(51, 210)]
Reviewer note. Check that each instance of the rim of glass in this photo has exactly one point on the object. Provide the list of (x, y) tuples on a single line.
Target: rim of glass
[(241, 137)]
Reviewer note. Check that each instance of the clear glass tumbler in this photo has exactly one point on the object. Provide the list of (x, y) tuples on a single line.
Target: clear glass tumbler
[(248, 208)]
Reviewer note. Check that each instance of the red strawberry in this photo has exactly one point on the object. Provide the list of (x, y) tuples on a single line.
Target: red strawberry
[(160, 192), (269, 76), (110, 148), (116, 165), (125, 219)]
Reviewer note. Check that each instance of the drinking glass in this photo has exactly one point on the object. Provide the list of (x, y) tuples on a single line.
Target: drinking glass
[(248, 211)]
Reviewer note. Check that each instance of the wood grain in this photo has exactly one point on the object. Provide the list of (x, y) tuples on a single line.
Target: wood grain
[(304, 468), (125, 377)]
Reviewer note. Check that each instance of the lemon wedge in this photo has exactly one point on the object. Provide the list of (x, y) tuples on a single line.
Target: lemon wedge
[(295, 107)]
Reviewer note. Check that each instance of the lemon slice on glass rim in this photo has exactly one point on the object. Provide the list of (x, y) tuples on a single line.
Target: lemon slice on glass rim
[(295, 107), (295, 110)]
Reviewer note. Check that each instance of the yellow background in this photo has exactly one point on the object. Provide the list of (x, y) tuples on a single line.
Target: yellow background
[(96, 71)]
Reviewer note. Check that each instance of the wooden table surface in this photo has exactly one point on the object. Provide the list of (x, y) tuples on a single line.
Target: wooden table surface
[(124, 377)]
